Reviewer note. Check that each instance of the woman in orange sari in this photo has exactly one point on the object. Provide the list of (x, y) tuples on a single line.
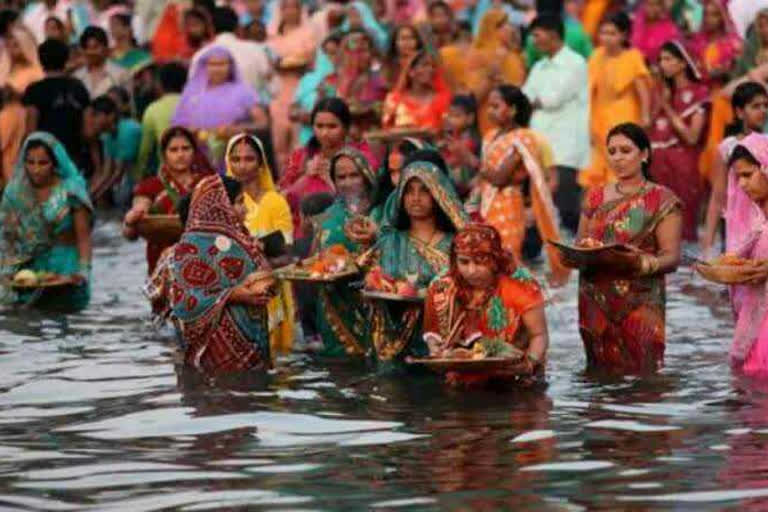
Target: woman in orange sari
[(619, 86), (486, 63), (22, 61), (406, 43), (420, 99)]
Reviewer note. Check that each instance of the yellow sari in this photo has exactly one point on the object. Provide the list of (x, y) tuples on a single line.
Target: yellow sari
[(269, 213)]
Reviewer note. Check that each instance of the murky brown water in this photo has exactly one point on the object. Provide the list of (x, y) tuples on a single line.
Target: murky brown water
[(94, 415)]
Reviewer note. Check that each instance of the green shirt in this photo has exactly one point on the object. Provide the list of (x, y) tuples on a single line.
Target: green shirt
[(157, 119)]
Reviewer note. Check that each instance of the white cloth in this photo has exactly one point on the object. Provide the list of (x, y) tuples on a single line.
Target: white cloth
[(98, 85), (743, 13)]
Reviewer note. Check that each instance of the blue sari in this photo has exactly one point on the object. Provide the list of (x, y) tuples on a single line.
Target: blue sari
[(42, 234)]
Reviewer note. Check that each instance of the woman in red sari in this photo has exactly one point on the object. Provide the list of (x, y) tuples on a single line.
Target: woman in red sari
[(622, 300), (183, 167), (421, 98), (680, 115)]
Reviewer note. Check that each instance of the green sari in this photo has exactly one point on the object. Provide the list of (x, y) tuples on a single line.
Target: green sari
[(395, 328), (42, 234)]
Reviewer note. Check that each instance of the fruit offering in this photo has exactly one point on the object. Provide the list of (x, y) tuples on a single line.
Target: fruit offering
[(333, 260), (589, 243), (732, 260), (28, 277), (376, 280)]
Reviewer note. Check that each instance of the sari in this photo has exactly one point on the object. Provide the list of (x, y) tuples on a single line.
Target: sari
[(613, 100), (755, 50), (370, 25), (42, 233), (20, 76), (649, 36), (505, 208), (269, 213), (306, 94), (622, 320), (747, 237), (213, 257), (395, 329), (341, 314)]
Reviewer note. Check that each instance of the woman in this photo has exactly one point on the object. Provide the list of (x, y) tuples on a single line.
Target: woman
[(406, 43), (426, 213), (181, 33), (756, 50), (341, 317), (183, 167), (488, 62), (513, 181), (747, 219), (13, 129), (219, 287), (327, 58), (356, 82), (485, 293), (267, 211), (620, 91), (750, 106), (622, 300), (421, 98), (652, 26), (681, 113), (291, 37), (22, 65), (45, 221), (216, 103), (125, 52), (360, 17)]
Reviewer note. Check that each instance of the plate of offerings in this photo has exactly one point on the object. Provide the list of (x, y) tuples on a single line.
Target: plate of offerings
[(484, 356), (727, 269), (293, 63), (379, 286), (395, 134), (31, 280), (332, 264), (160, 228), (588, 251)]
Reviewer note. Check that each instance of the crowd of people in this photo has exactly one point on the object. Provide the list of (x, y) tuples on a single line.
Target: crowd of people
[(465, 134)]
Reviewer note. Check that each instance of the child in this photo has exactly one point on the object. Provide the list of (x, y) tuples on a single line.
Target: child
[(460, 142)]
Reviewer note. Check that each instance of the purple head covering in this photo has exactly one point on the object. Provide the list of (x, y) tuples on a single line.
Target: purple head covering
[(203, 106)]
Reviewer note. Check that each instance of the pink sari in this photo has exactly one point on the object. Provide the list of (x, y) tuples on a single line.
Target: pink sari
[(650, 36), (747, 236)]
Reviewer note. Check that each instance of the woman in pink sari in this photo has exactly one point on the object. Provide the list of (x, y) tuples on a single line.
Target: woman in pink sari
[(652, 26), (747, 236)]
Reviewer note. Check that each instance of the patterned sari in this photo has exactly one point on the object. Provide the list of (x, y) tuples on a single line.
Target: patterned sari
[(213, 257), (395, 329), (622, 320)]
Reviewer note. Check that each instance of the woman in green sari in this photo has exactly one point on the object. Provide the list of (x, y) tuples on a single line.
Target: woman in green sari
[(341, 317), (45, 222), (425, 215)]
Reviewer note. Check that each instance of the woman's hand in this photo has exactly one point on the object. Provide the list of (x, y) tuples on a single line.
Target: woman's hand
[(363, 233), (758, 274), (318, 166), (133, 216)]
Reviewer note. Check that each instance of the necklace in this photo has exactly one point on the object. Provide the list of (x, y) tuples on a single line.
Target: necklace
[(639, 189), (428, 241)]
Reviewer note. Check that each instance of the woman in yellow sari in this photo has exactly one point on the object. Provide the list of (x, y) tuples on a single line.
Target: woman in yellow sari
[(266, 211), (486, 63), (619, 86)]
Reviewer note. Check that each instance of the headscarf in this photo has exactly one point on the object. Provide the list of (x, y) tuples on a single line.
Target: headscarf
[(484, 241), (487, 38), (202, 106), (754, 46), (690, 62), (649, 38), (429, 118), (745, 220), (20, 78), (718, 50), (265, 173), (21, 217), (362, 163), (370, 24)]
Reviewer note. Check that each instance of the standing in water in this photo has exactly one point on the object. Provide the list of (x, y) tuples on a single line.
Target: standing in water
[(622, 301)]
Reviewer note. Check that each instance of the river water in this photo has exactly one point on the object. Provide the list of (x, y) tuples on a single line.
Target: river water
[(96, 414)]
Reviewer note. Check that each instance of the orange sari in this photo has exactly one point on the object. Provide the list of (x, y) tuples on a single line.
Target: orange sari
[(402, 109)]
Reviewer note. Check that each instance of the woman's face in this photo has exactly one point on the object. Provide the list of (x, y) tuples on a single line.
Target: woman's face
[(359, 48), (625, 157), (477, 270), (440, 20), (508, 35), (329, 131), (290, 11), (670, 65), (755, 113), (118, 30), (39, 167), (219, 70), (610, 36), (54, 30), (406, 43), (500, 112), (654, 9), (418, 200), (194, 28), (713, 18), (422, 72), (179, 153), (751, 180), (348, 179), (244, 162), (354, 18)]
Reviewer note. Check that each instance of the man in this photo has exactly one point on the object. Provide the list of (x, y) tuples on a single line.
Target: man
[(157, 118), (576, 38), (99, 118), (558, 89), (99, 74), (251, 58), (55, 104)]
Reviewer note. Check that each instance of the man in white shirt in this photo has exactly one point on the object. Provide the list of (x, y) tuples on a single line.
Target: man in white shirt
[(558, 89), (99, 75), (252, 58)]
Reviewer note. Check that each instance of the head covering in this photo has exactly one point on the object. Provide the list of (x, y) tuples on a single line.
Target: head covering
[(718, 50), (361, 160), (370, 24), (648, 37), (21, 218), (204, 106), (754, 46), (743, 218), (690, 62), (484, 241), (487, 38), (265, 174)]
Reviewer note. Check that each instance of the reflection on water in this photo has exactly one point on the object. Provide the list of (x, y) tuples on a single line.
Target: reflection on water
[(96, 413)]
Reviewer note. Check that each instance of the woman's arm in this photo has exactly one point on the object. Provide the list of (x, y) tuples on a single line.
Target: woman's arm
[(719, 180), (535, 321), (668, 236), (82, 227), (140, 207), (643, 92), (691, 135)]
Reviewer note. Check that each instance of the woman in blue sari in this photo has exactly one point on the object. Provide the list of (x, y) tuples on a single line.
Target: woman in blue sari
[(425, 215), (45, 222)]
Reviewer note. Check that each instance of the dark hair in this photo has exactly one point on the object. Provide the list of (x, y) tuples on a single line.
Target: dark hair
[(638, 137), (742, 153), (427, 155), (550, 23), (105, 105), (224, 20), (173, 77), (673, 48), (176, 131), (623, 24), (232, 187), (403, 222), (465, 102), (96, 33), (514, 97), (35, 144), (315, 204), (123, 19), (124, 96), (253, 145), (742, 96), (332, 105), (7, 18), (392, 53), (53, 55), (57, 21)]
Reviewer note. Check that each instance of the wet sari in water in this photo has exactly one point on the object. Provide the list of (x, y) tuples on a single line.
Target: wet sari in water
[(622, 320), (213, 257)]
